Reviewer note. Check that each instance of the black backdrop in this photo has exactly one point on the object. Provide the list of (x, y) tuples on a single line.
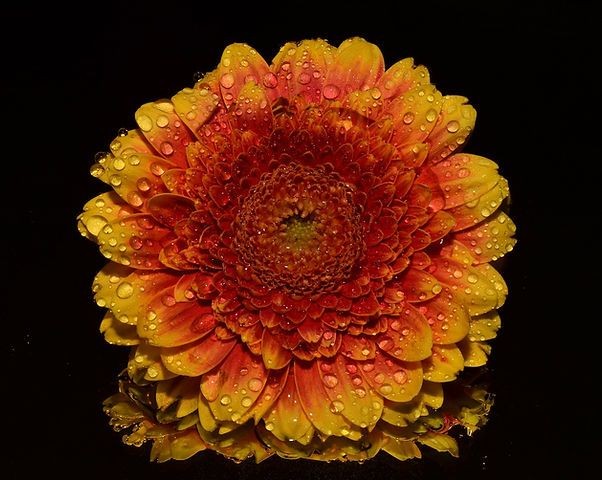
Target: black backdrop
[(73, 77)]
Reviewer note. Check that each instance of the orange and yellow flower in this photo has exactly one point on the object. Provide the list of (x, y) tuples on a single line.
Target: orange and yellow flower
[(300, 259)]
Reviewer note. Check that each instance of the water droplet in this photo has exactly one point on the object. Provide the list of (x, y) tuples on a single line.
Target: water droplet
[(337, 406), (168, 300), (330, 381), (431, 115), (453, 126), (269, 426), (400, 377), (457, 273), (97, 170), (152, 372), (386, 389), (437, 288), (225, 400), (304, 78), (246, 402), (255, 384), (125, 290), (472, 278), (143, 184), (379, 378), (157, 169), (331, 91), (144, 122), (115, 180), (375, 93), (270, 80), (227, 80), (166, 148), (408, 118)]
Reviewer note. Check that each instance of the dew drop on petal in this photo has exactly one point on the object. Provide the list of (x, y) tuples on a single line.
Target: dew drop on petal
[(472, 278), (125, 290), (337, 406), (255, 385), (270, 80), (408, 118), (400, 377), (225, 400), (331, 381), (227, 80), (331, 91), (145, 123), (166, 148), (452, 126)]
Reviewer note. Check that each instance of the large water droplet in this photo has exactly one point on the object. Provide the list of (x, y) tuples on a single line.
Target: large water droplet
[(125, 290)]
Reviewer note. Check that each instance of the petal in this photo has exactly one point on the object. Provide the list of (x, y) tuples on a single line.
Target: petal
[(474, 353), (269, 395), (197, 358), (496, 281), (439, 225), (124, 290), (440, 442), (164, 130), (349, 392), (447, 316), (166, 322), (357, 347), (314, 400), (99, 211), (471, 213), (240, 64), (402, 77), (395, 380), (118, 333), (234, 386), (301, 69), (196, 105), (181, 390), (444, 364), (129, 143), (453, 127), (252, 110), (484, 327), (472, 288), (418, 285), (135, 240), (287, 420), (357, 65), (274, 355), (465, 177), (145, 364), (408, 337), (401, 449), (414, 114), (169, 209), (491, 239), (137, 177)]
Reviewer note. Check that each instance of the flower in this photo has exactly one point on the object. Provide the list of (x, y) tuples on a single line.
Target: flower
[(299, 259)]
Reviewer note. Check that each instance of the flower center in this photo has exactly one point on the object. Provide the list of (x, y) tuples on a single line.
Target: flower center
[(299, 228)]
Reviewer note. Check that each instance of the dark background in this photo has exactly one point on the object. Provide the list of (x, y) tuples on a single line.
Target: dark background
[(72, 78)]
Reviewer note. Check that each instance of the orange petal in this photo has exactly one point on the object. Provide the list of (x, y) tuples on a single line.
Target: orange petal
[(197, 358), (439, 225), (135, 240), (168, 323), (471, 213), (316, 405), (270, 393), (465, 177), (455, 123), (357, 65), (137, 177), (368, 103), (447, 316), (129, 143), (491, 239), (118, 333), (124, 290), (415, 114), (287, 420), (358, 347), (181, 390), (402, 77), (252, 110), (100, 211), (196, 105), (169, 209), (301, 69), (349, 392), (240, 64), (444, 364), (472, 288), (418, 285), (164, 130), (393, 379), (234, 386), (274, 355), (408, 337)]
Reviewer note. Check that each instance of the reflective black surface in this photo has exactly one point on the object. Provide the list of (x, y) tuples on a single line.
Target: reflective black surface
[(75, 77)]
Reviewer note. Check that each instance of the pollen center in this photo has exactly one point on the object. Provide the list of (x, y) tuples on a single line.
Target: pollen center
[(299, 228)]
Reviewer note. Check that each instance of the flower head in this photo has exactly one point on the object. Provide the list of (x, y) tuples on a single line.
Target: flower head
[(299, 259)]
